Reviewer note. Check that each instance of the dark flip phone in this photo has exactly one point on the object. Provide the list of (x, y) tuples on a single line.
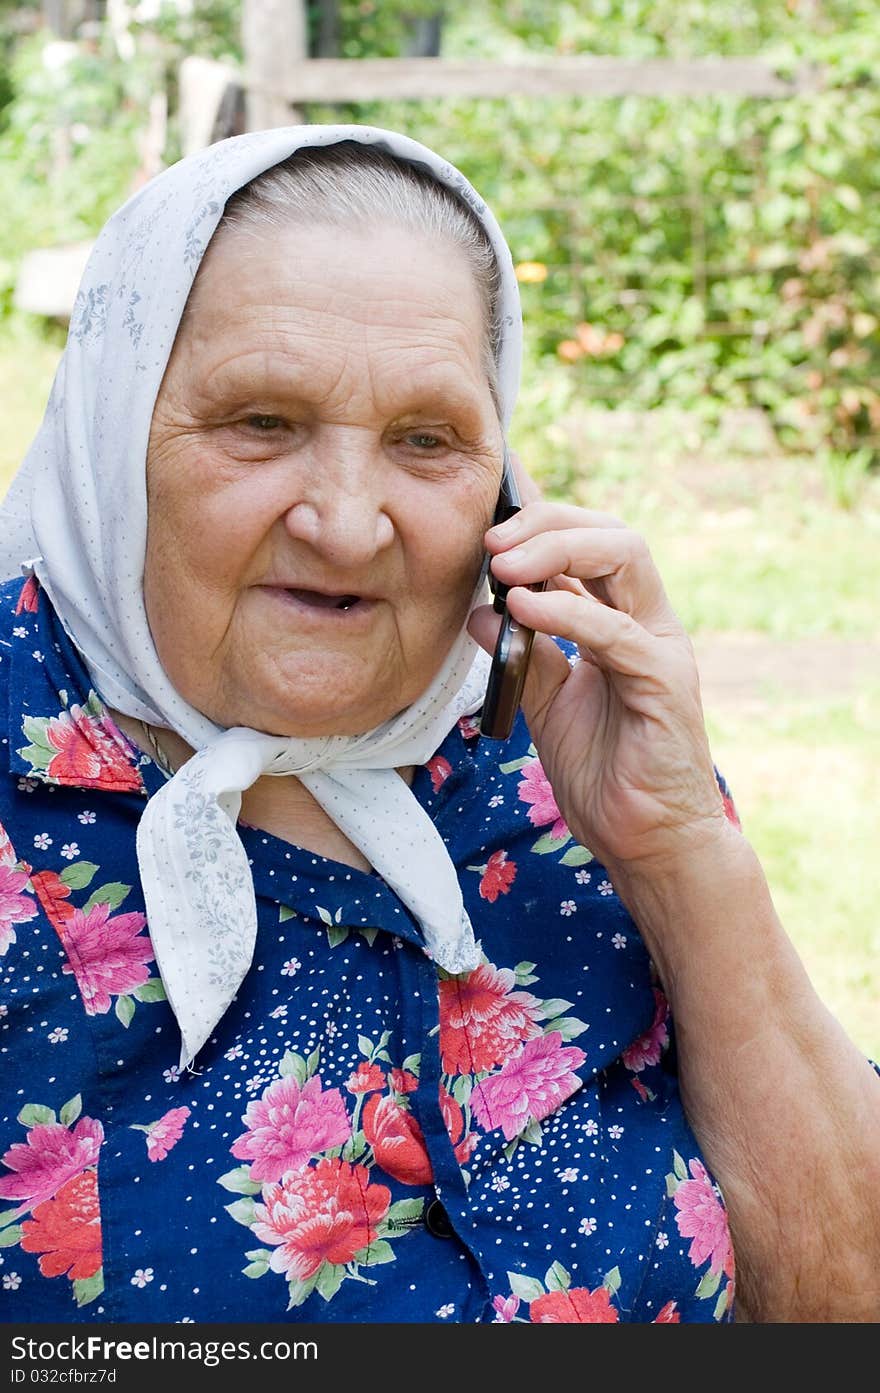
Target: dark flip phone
[(514, 644)]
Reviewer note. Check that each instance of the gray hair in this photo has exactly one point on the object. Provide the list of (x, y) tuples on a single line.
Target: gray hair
[(348, 186)]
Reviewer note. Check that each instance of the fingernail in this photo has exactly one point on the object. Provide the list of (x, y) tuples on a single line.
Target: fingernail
[(506, 529)]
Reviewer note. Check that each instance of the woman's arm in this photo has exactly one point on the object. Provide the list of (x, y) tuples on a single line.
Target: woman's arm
[(785, 1107)]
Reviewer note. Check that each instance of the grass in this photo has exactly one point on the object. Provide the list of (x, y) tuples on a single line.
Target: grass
[(746, 544)]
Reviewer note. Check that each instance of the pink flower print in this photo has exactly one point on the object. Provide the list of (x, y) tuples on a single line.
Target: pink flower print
[(505, 1308), (106, 955), (702, 1217), (15, 908), (165, 1133), (289, 1125), (529, 1086), (439, 769), (52, 1155), (483, 1022), (326, 1213), (535, 789), (648, 1048)]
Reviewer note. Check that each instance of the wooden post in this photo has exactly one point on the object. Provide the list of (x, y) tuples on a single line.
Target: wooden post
[(274, 38)]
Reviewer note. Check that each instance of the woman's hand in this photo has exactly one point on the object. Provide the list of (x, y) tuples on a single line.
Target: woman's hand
[(621, 734)]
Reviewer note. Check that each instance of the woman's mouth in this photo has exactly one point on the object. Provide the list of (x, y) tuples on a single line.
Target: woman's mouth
[(323, 606), (322, 601)]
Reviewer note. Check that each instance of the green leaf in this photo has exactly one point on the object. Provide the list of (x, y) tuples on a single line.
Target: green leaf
[(523, 969), (365, 1045), (547, 843), (324, 915), (86, 1289), (71, 1110), (79, 875), (708, 1285), (6, 1217), (404, 1214), (37, 756), (513, 765), (331, 1275), (293, 1066), (369, 934), (301, 1291), (125, 1009), (259, 1255), (672, 1184), (10, 1236), (285, 913), (35, 1114), (336, 935), (721, 1303), (36, 730), (531, 1133), (113, 893), (239, 1182), (576, 856), (243, 1211), (412, 1064), (679, 1166), (612, 1280), (377, 1253), (526, 1288), (255, 1269), (556, 1278), (151, 990), (313, 1061), (555, 1006), (461, 1089), (569, 1027)]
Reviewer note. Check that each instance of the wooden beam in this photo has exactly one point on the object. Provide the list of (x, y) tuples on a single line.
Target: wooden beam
[(417, 79)]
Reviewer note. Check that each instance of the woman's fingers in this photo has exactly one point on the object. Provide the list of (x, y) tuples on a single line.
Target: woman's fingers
[(615, 640), (613, 563)]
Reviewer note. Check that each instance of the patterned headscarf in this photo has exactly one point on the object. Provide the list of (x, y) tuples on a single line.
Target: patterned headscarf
[(76, 516)]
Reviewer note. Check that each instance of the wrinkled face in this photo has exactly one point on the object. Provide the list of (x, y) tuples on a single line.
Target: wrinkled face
[(324, 457)]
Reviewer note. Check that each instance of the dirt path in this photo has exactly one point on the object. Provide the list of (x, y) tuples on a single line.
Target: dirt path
[(747, 671)]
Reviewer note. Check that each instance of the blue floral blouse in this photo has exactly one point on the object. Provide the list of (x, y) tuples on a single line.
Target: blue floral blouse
[(364, 1138)]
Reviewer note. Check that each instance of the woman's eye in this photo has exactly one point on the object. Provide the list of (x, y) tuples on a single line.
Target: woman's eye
[(265, 423), (424, 440)]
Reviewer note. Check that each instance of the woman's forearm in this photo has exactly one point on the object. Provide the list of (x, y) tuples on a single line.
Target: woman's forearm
[(785, 1107)]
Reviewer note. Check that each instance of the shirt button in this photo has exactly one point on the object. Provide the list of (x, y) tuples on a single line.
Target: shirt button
[(437, 1221)]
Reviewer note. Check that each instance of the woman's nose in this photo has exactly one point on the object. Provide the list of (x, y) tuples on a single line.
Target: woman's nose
[(341, 511)]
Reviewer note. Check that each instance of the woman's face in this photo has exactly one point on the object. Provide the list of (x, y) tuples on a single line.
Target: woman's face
[(324, 458)]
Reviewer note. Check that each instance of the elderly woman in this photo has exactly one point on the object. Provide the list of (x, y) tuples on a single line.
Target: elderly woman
[(318, 1005)]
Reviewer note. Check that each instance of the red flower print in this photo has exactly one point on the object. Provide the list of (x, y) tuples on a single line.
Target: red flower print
[(575, 1307), (91, 752), (668, 1315), (326, 1213), (648, 1048), (366, 1078), (53, 895), (469, 727), (29, 597), (67, 1230), (402, 1081), (397, 1141), (535, 789), (702, 1217), (50, 1157), (15, 908), (498, 876), (289, 1125), (453, 1117), (166, 1133), (730, 811), (529, 1086), (439, 769), (106, 954), (483, 1022)]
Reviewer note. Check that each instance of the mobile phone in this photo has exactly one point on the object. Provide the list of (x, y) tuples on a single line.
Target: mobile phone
[(513, 647)]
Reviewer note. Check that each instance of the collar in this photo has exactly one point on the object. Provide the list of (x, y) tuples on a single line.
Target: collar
[(59, 729)]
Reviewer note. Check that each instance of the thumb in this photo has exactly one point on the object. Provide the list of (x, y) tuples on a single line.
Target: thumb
[(548, 666)]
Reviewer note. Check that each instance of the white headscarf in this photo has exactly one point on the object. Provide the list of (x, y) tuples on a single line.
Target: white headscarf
[(76, 515)]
